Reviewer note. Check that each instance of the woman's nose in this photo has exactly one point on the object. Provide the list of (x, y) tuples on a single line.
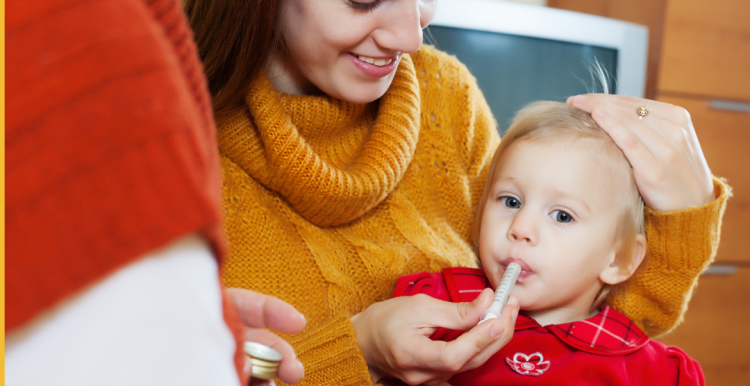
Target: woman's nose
[(401, 29), (523, 229)]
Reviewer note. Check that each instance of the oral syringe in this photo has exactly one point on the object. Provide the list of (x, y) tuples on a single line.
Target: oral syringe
[(503, 292)]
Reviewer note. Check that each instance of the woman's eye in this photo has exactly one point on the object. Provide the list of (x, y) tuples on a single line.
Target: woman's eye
[(562, 217), (511, 202), (364, 6)]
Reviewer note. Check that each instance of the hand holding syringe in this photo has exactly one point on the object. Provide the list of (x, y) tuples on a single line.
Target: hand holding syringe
[(503, 291)]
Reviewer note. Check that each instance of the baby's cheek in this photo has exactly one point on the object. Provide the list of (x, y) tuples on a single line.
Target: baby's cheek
[(494, 272), (530, 298)]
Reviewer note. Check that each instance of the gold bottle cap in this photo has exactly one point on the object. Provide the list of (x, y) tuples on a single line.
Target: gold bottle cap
[(263, 372), (259, 351), (261, 362), (265, 360)]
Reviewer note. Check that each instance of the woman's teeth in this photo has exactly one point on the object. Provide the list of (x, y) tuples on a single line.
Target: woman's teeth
[(377, 62)]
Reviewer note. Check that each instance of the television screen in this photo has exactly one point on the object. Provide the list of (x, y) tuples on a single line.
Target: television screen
[(513, 70)]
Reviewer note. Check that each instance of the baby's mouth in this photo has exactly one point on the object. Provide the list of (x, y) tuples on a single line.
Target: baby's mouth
[(525, 269)]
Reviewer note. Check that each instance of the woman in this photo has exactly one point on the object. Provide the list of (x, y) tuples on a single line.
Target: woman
[(351, 156)]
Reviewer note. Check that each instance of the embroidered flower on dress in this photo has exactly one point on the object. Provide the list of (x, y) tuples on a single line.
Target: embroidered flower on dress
[(533, 364)]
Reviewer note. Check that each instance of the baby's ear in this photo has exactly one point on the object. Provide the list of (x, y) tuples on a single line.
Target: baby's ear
[(619, 270)]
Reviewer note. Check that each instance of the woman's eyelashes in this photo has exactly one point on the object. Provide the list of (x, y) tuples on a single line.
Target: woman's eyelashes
[(365, 6), (561, 216)]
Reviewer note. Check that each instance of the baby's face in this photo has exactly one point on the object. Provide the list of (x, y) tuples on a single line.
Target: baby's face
[(552, 209)]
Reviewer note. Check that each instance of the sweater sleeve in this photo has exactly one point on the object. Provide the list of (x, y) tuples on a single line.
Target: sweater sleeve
[(681, 244), (110, 144), (316, 346)]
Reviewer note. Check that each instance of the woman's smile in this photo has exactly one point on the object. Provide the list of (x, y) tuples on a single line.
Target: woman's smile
[(375, 67)]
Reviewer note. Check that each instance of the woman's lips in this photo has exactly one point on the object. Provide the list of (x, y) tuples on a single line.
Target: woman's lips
[(373, 69)]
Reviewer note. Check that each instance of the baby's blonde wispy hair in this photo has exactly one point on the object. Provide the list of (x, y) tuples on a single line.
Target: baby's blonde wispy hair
[(563, 125)]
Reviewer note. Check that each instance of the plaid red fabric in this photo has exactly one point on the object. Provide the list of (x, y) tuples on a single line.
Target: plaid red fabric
[(608, 332), (606, 349)]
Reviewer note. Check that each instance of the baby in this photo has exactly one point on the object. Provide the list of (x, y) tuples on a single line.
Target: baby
[(560, 201)]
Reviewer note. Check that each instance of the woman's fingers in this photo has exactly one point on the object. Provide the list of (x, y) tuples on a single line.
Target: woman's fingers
[(663, 110), (508, 320), (479, 343), (259, 312), (633, 146), (619, 119), (452, 356), (459, 316), (263, 311), (290, 368), (668, 163), (438, 360), (394, 336), (666, 126), (449, 356)]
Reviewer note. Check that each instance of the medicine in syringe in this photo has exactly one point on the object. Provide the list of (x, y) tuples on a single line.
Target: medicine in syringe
[(503, 292)]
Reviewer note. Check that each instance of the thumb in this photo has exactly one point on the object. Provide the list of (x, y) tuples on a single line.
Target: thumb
[(469, 313), (465, 349)]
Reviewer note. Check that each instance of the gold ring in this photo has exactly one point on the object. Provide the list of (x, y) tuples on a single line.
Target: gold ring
[(642, 111)]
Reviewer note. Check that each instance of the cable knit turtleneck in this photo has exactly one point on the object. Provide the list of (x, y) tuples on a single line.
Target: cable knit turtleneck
[(328, 203), (349, 156)]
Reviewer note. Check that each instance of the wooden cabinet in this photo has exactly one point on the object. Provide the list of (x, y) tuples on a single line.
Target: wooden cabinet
[(715, 331), (706, 49), (725, 139)]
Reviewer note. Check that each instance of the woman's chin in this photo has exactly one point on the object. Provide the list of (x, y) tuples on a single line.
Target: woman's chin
[(361, 91)]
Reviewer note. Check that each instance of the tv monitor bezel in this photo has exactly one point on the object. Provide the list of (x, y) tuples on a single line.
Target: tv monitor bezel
[(630, 40)]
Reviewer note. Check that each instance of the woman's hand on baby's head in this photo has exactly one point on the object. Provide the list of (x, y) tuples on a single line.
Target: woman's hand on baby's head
[(668, 163), (394, 337)]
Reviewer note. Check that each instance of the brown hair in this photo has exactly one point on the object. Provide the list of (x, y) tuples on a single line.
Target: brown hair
[(235, 39), (559, 122)]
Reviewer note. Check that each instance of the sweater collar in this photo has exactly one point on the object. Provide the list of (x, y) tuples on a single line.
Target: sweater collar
[(606, 333), (331, 160)]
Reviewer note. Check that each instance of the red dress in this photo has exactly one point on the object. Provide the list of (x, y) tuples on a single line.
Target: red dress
[(606, 349)]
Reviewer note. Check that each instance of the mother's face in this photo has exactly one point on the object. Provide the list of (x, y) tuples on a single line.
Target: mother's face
[(349, 49)]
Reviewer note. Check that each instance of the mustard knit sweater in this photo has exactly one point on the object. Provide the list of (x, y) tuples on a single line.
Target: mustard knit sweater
[(328, 203)]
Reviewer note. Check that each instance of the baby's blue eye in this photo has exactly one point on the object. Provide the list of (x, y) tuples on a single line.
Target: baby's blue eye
[(561, 217), (511, 202)]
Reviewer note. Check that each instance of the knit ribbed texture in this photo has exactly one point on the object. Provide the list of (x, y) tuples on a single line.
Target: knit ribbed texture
[(279, 192), (658, 295), (110, 145), (295, 158)]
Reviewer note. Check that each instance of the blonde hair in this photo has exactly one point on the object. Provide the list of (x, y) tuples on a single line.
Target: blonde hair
[(563, 124)]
